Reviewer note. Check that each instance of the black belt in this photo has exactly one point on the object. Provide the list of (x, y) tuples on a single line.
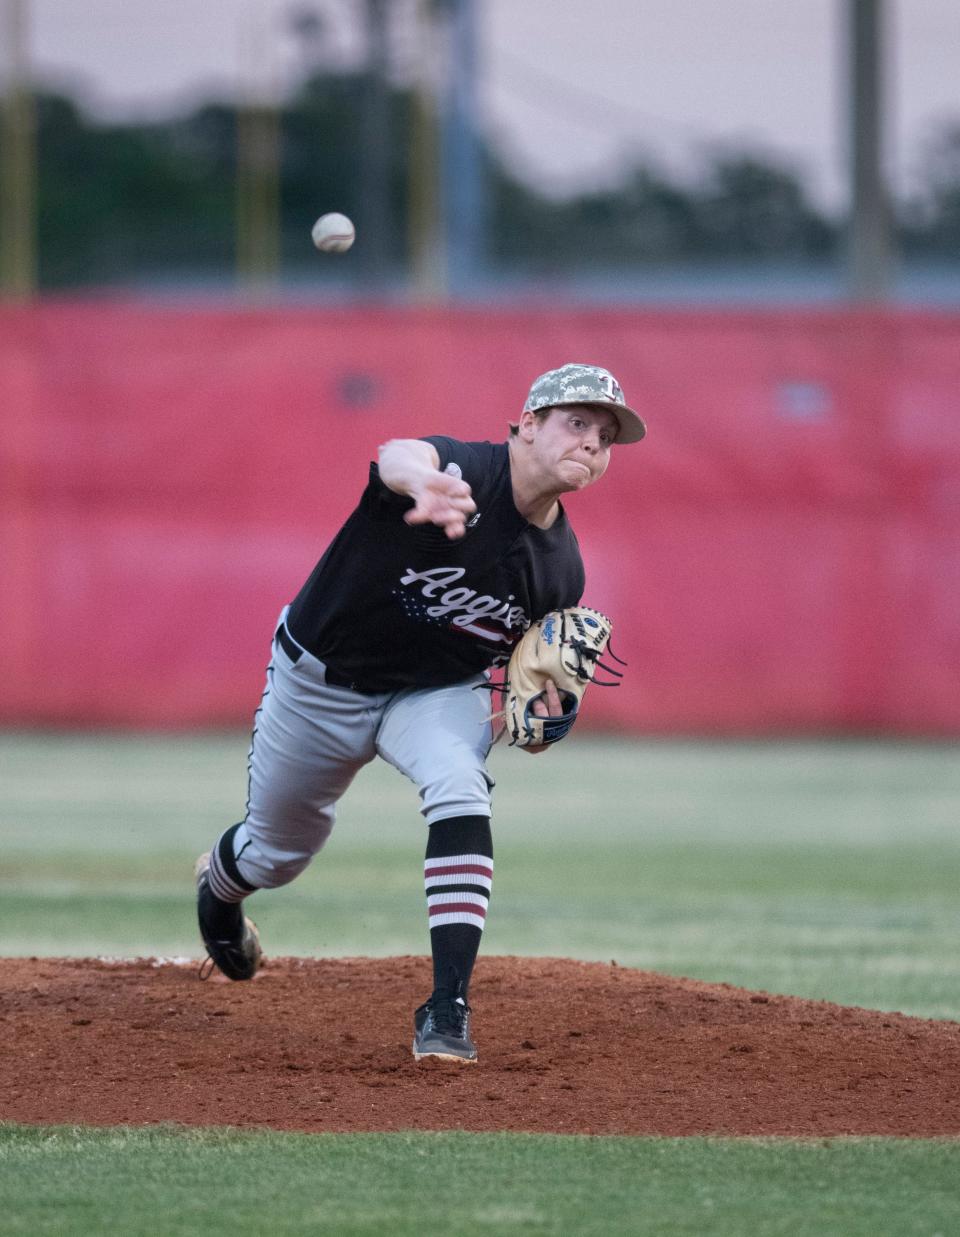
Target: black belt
[(295, 652)]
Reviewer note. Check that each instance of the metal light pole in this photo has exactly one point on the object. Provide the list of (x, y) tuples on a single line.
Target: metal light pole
[(446, 185), (18, 263), (374, 218), (461, 170), (870, 251), (258, 162), (427, 251)]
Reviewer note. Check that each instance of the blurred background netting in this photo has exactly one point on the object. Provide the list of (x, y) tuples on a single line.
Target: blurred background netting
[(749, 212)]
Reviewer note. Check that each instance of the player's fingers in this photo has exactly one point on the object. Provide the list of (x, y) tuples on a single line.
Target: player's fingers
[(554, 706), (457, 493), (453, 522), (431, 509), (547, 704), (463, 503), (450, 485)]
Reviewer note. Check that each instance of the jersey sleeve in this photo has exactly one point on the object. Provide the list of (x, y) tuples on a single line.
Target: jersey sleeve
[(470, 460)]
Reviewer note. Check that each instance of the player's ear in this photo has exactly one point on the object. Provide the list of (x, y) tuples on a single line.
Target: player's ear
[(527, 426)]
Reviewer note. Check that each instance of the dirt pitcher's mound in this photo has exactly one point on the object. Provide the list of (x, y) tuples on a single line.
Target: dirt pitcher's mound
[(564, 1046)]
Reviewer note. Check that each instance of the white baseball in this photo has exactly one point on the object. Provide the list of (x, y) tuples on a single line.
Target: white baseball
[(333, 233)]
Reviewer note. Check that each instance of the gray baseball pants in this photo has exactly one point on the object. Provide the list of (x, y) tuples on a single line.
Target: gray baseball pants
[(310, 739)]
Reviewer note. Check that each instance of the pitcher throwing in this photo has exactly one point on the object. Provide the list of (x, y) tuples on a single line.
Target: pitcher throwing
[(454, 549)]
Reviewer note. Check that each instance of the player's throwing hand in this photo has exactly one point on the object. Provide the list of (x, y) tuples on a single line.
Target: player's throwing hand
[(442, 500), (411, 466)]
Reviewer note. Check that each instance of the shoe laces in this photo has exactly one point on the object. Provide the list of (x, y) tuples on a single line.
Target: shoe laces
[(449, 1015)]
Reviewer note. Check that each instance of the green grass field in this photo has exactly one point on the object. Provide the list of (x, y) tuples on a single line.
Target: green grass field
[(822, 870), (140, 1183), (828, 870)]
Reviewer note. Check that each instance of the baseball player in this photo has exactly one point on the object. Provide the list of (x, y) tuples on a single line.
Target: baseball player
[(453, 550)]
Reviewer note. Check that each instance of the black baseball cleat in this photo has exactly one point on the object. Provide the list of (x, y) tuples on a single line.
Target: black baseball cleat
[(442, 1028), (231, 939)]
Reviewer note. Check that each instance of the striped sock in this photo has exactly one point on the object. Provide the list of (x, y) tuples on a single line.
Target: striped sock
[(458, 876), (226, 883)]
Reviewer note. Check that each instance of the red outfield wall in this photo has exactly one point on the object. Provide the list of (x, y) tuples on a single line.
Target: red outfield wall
[(781, 554)]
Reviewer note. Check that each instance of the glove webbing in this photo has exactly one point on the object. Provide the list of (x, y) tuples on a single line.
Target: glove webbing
[(587, 654)]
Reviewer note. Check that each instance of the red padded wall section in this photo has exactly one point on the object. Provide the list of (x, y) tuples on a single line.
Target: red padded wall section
[(781, 554)]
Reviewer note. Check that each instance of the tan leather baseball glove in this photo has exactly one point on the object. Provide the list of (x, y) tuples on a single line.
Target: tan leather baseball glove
[(565, 646)]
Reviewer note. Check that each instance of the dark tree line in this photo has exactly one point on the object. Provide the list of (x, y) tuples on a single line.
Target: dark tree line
[(118, 203)]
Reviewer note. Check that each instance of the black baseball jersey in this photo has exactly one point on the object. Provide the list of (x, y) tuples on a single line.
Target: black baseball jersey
[(392, 605)]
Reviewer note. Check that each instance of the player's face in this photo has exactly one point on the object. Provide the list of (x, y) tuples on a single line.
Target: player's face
[(574, 442)]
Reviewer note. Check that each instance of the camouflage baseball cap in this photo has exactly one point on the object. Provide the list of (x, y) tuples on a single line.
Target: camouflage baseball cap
[(586, 384)]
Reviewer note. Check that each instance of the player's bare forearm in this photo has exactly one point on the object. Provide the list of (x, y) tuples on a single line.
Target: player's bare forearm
[(404, 463), (410, 466)]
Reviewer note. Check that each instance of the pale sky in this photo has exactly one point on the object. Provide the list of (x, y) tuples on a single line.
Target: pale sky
[(570, 91)]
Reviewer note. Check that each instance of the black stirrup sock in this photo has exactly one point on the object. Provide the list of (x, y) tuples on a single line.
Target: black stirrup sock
[(458, 875)]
